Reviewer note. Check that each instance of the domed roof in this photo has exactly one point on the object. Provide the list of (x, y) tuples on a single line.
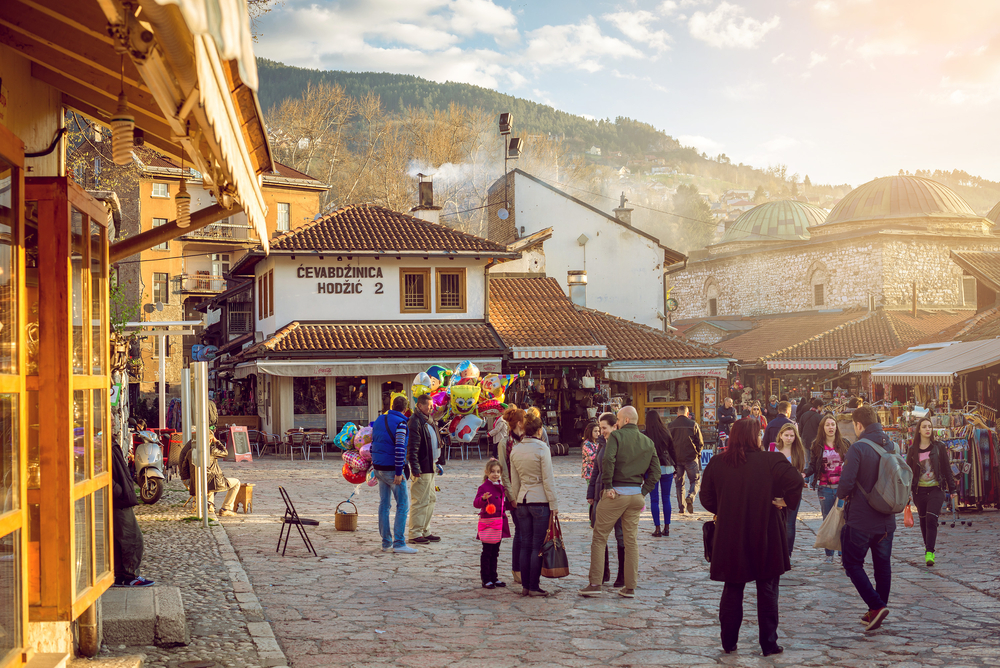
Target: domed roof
[(994, 214), (775, 221), (900, 197)]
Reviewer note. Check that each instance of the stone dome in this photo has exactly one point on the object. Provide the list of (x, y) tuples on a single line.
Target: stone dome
[(994, 215), (899, 197), (785, 220)]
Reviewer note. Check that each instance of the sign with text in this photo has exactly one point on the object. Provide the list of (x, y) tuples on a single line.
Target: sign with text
[(348, 280)]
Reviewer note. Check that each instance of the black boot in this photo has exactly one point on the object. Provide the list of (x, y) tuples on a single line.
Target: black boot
[(620, 580)]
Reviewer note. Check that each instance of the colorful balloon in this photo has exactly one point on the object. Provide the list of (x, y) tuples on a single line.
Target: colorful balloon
[(464, 399), (352, 476), (464, 428), (366, 452), (363, 437), (370, 478), (345, 439), (438, 376), (467, 370), (354, 460)]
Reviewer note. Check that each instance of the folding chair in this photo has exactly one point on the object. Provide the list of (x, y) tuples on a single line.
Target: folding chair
[(314, 439), (454, 444), (267, 440), (296, 440), (292, 517)]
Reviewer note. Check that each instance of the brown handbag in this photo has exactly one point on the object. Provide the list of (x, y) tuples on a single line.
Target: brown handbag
[(555, 563)]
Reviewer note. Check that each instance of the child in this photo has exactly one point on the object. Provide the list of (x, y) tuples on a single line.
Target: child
[(490, 500)]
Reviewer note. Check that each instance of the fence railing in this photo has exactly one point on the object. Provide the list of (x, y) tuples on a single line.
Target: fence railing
[(199, 283), (222, 232)]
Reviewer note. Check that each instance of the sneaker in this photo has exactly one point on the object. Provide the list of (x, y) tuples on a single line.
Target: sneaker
[(777, 649), (592, 590), (489, 585), (867, 618), (226, 513), (404, 550), (432, 538), (877, 616), (500, 584), (387, 549), (829, 559), (929, 558), (146, 580), (134, 582), (419, 540), (626, 592), (690, 505)]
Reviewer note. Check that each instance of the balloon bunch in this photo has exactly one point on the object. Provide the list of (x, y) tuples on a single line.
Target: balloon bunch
[(462, 398), (356, 444)]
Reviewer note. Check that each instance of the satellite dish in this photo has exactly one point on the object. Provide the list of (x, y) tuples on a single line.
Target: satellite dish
[(503, 214), (159, 306)]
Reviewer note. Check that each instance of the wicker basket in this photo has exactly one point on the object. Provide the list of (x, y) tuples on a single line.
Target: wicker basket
[(346, 521)]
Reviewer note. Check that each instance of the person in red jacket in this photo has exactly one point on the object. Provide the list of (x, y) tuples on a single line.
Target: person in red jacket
[(490, 499)]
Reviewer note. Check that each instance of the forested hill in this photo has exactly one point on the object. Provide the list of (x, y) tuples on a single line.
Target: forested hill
[(398, 92)]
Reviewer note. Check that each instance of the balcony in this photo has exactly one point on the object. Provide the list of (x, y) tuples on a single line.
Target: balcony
[(199, 283), (227, 232), (240, 318)]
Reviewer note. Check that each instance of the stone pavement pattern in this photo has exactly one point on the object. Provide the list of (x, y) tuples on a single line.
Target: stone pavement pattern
[(355, 606), (201, 563)]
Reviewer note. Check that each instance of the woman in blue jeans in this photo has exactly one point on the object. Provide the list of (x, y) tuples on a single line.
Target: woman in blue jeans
[(658, 433), (829, 451), (533, 487)]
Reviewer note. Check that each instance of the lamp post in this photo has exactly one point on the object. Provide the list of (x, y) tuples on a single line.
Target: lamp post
[(511, 151)]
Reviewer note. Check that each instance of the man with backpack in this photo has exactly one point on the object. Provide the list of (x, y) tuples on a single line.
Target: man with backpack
[(389, 436), (876, 487)]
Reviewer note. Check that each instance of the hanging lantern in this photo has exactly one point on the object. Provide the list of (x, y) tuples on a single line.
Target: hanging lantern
[(183, 200), (122, 127)]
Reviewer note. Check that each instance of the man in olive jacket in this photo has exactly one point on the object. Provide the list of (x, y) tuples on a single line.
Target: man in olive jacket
[(631, 469)]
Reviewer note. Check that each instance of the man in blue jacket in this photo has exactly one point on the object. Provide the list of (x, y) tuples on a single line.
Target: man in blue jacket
[(866, 528), (388, 459)]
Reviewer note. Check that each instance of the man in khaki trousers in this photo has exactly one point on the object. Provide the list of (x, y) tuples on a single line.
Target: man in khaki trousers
[(631, 470), (423, 452)]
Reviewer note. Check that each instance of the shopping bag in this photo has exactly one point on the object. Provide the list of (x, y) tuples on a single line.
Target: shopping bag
[(490, 529), (907, 517), (588, 382), (708, 538), (555, 564), (828, 536)]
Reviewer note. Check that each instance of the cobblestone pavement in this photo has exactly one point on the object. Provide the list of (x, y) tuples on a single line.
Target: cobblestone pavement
[(181, 553), (355, 606)]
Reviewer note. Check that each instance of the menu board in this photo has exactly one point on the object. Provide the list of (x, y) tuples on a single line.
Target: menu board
[(709, 401), (239, 444)]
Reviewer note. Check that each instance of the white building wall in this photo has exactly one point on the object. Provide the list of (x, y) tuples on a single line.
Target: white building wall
[(624, 269), (300, 291)]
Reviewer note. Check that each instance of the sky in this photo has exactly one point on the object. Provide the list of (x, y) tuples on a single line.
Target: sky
[(841, 90)]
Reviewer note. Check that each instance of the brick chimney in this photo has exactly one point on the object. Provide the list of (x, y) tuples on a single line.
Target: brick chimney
[(622, 213), (425, 209)]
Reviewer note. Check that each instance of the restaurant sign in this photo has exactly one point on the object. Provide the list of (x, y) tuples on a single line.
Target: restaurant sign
[(348, 279)]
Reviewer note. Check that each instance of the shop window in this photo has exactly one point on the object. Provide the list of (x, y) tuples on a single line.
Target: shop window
[(352, 400), (387, 389), (414, 290), (161, 288), (166, 244), (309, 400), (669, 391), (160, 190), (450, 290), (284, 216)]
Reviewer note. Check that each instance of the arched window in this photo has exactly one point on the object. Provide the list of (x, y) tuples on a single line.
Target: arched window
[(711, 297), (819, 285)]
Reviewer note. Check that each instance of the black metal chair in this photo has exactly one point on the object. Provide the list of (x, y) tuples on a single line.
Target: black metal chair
[(291, 517)]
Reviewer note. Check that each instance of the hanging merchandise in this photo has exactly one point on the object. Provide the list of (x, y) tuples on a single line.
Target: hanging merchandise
[(122, 127)]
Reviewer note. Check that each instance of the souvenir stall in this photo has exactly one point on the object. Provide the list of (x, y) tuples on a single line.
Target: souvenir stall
[(566, 396)]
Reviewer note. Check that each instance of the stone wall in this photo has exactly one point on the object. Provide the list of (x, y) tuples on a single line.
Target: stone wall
[(779, 280)]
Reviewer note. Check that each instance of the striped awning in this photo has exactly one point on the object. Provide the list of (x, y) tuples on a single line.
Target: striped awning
[(802, 365), (940, 367), (855, 367), (559, 352)]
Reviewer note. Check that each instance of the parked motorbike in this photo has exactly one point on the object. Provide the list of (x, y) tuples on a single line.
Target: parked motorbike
[(147, 457)]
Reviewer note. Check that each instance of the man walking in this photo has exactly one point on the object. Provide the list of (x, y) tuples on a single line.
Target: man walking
[(631, 469), (422, 452), (388, 450), (866, 528), (775, 425), (688, 444)]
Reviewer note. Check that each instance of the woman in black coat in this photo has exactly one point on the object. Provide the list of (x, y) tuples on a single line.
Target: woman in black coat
[(933, 482), (745, 488)]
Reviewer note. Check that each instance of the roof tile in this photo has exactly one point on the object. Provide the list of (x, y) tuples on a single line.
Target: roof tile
[(370, 228), (627, 340), (536, 312)]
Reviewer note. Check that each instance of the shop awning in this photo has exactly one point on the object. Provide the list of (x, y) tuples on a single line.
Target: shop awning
[(355, 367), (911, 354), (559, 352), (939, 367), (651, 372), (857, 367), (803, 365)]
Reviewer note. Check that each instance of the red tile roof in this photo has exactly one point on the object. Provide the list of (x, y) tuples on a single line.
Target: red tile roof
[(771, 334), (984, 265), (627, 340), (536, 312), (370, 228), (982, 326), (395, 338)]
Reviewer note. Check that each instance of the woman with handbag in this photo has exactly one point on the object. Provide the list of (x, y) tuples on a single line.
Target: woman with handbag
[(744, 487), (930, 462), (514, 417), (829, 451), (493, 528), (533, 486)]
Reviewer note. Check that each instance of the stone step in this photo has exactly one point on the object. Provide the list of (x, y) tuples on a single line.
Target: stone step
[(135, 616), (129, 661)]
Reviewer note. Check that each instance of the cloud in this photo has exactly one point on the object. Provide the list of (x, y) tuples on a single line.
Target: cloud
[(778, 58), (635, 26), (703, 144), (635, 77), (780, 143), (582, 45), (741, 92), (816, 59), (728, 27), (472, 16)]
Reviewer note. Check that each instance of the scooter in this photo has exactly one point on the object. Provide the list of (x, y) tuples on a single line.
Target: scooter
[(147, 457)]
